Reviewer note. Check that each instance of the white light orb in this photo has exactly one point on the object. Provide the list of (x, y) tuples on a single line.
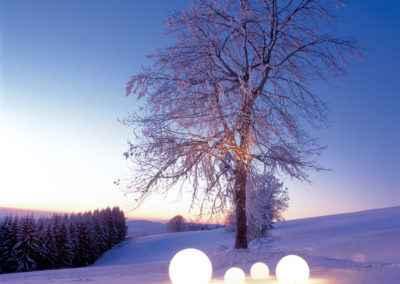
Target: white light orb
[(190, 266), (259, 270), (292, 269), (235, 275)]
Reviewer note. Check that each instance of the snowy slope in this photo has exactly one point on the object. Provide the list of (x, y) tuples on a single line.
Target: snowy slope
[(356, 248), (163, 247), (144, 227), (372, 235)]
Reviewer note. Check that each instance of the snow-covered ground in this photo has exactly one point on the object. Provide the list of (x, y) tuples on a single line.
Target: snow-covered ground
[(356, 248), (144, 228)]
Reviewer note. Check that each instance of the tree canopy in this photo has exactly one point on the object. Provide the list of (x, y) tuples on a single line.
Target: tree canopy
[(233, 94)]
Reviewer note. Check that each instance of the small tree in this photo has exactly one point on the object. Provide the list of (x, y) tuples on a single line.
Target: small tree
[(267, 200), (236, 80), (176, 224)]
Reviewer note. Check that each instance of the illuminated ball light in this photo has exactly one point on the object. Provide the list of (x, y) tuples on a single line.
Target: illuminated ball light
[(234, 275), (190, 266), (292, 269), (259, 270)]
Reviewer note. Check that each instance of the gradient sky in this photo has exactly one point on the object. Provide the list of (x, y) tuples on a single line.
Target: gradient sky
[(64, 66)]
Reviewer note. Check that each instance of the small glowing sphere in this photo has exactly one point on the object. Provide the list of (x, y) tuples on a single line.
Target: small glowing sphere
[(259, 270), (292, 269), (235, 275), (190, 266)]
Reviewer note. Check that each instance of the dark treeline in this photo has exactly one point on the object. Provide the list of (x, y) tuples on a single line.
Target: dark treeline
[(60, 241)]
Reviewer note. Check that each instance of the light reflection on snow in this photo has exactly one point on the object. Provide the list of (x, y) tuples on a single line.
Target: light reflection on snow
[(271, 280)]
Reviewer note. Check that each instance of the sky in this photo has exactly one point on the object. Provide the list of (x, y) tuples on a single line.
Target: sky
[(63, 70)]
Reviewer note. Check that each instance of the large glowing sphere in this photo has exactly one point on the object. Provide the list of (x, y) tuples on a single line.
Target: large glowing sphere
[(259, 270), (190, 266), (292, 269), (235, 275)]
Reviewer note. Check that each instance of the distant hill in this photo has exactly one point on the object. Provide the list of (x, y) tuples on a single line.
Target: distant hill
[(4, 211), (139, 228), (144, 227)]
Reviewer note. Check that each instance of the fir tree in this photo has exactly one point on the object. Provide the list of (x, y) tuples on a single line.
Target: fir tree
[(64, 247), (5, 245), (56, 242), (26, 250)]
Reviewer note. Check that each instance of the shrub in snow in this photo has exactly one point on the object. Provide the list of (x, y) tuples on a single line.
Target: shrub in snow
[(265, 203), (176, 224)]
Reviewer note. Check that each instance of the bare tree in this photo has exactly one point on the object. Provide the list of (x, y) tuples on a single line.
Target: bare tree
[(236, 80)]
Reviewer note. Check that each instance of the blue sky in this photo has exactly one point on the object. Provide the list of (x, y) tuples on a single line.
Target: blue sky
[(64, 66)]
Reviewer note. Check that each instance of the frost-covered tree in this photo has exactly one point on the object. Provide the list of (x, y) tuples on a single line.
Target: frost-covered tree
[(12, 261), (120, 225), (4, 240), (51, 258), (109, 227), (44, 261), (55, 237), (74, 235), (59, 241), (98, 234), (267, 200), (64, 245), (83, 251), (176, 224), (27, 249), (237, 79), (6, 243)]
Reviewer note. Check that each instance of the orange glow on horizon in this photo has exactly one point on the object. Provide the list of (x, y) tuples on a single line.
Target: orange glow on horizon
[(22, 209), (139, 214)]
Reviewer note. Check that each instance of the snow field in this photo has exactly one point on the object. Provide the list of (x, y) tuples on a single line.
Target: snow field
[(355, 248)]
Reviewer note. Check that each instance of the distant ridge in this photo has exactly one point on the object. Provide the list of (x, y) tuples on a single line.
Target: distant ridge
[(365, 211), (144, 227), (4, 211)]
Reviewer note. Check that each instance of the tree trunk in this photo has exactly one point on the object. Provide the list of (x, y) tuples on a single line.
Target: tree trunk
[(240, 200)]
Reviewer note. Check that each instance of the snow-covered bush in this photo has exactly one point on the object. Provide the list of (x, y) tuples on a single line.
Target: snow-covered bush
[(176, 224), (265, 203)]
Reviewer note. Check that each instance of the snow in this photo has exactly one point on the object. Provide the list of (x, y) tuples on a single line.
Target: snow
[(163, 247), (144, 228), (355, 248)]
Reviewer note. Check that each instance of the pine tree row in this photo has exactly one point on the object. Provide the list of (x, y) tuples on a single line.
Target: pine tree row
[(70, 240)]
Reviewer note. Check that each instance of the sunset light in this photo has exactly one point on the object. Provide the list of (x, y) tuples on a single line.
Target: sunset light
[(199, 141)]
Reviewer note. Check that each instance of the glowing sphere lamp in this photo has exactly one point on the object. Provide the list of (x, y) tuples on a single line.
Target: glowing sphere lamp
[(190, 266), (292, 269), (259, 270), (235, 275)]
